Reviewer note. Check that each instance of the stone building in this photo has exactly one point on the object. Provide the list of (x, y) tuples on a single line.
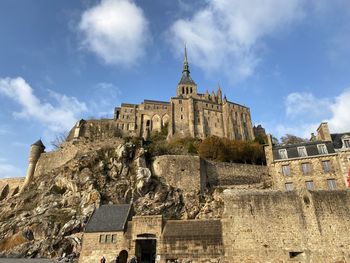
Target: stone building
[(113, 231), (341, 143), (189, 113), (311, 165)]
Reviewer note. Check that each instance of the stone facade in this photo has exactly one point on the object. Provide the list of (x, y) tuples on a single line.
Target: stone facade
[(312, 166), (188, 114), (10, 186)]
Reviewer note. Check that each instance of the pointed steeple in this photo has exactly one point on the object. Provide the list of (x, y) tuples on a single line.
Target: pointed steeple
[(186, 78), (219, 95)]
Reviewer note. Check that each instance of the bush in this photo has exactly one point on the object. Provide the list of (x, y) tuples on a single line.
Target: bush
[(226, 150)]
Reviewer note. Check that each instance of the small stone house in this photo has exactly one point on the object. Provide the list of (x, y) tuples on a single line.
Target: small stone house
[(112, 231)]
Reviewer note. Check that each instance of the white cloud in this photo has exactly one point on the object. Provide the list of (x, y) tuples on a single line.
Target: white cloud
[(304, 113), (226, 34), (59, 116), (301, 103), (116, 31), (8, 170)]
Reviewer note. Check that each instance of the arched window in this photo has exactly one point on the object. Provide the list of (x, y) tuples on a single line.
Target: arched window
[(191, 90), (183, 90), (186, 90)]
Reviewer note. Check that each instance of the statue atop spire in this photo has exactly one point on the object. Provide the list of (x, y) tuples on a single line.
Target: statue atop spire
[(186, 78)]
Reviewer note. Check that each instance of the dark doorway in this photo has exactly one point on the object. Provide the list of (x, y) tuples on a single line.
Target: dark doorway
[(123, 256), (146, 248)]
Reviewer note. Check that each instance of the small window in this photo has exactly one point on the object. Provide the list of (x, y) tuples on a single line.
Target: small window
[(180, 101), (114, 238), (182, 117), (122, 126), (283, 153), (322, 149), (310, 185), (102, 238), (181, 109), (191, 90), (286, 170), (289, 186), (186, 90), (302, 151), (347, 143), (326, 166), (183, 90), (332, 185), (127, 126), (108, 238), (306, 168)]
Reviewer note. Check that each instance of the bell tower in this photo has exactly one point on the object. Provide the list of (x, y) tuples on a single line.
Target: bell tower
[(186, 87)]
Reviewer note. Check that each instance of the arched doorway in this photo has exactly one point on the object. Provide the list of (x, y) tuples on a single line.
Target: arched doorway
[(146, 245), (123, 256)]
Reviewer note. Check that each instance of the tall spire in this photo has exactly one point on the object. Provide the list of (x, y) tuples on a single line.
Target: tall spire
[(186, 78), (185, 66)]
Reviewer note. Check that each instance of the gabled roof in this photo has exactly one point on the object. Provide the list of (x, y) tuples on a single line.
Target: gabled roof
[(108, 218), (337, 139)]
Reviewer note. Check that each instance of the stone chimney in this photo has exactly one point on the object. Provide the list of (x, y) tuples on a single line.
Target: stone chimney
[(323, 133), (36, 150)]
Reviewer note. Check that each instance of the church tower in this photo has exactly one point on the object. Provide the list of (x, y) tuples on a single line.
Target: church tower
[(186, 87)]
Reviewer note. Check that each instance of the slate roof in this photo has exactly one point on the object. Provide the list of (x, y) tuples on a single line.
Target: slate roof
[(311, 149), (39, 143), (186, 79), (337, 141), (108, 218)]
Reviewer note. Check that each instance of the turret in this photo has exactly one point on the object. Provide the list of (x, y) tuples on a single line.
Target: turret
[(207, 95), (219, 95), (36, 149), (213, 97)]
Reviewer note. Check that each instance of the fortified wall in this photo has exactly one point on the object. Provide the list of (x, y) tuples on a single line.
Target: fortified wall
[(10, 186), (192, 172), (274, 226)]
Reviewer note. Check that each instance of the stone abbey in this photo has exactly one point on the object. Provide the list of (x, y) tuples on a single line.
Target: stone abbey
[(188, 114)]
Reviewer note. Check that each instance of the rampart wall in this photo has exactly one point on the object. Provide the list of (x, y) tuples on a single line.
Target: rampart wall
[(273, 226), (10, 186), (191, 172)]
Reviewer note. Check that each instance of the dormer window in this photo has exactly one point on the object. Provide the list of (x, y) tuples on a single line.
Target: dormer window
[(346, 141), (283, 153), (322, 149), (302, 151)]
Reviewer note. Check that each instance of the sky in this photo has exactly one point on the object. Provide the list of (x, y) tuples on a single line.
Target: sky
[(60, 61)]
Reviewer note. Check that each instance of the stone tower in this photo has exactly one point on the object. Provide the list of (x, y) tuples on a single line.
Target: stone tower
[(36, 150)]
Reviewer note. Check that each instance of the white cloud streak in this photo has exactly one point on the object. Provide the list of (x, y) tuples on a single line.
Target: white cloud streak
[(226, 34), (116, 31), (57, 116)]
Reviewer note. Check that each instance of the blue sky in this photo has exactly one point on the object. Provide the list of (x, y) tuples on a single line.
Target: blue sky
[(61, 61)]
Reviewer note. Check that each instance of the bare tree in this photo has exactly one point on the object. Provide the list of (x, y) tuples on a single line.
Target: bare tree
[(60, 138), (292, 139)]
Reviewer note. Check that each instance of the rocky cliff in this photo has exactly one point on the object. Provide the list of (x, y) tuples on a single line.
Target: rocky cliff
[(48, 218)]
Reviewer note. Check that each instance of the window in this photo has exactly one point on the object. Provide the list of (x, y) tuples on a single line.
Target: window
[(108, 238), (347, 143), (322, 149), (302, 151), (326, 166), (289, 186), (286, 170), (182, 117), (306, 168), (127, 126), (122, 126), (181, 109), (283, 153), (180, 101), (114, 238), (310, 185), (102, 238), (183, 90), (332, 185)]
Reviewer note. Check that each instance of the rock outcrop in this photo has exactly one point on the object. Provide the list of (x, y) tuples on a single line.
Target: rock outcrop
[(48, 218)]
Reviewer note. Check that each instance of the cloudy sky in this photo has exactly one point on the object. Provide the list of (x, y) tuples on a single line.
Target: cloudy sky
[(61, 61)]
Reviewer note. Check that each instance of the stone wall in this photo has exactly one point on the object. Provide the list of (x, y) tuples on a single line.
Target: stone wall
[(51, 160), (182, 171), (193, 173), (10, 186), (223, 174), (272, 226)]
